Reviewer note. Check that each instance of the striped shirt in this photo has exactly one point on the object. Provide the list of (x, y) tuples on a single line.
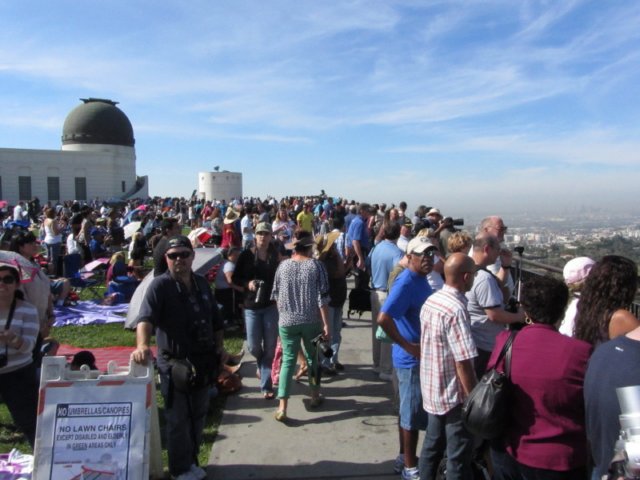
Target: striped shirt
[(26, 326), (445, 340)]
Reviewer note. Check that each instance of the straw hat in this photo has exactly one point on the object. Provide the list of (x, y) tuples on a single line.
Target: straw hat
[(303, 242), (231, 216), (325, 242)]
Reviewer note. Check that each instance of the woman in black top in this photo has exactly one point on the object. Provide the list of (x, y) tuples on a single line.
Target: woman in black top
[(255, 271)]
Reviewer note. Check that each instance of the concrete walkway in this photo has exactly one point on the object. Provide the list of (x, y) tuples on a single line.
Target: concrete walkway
[(353, 435)]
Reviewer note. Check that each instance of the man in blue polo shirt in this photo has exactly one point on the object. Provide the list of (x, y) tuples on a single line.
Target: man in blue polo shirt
[(383, 258), (358, 242), (400, 319)]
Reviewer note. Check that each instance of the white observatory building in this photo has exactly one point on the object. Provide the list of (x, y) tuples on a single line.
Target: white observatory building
[(97, 160)]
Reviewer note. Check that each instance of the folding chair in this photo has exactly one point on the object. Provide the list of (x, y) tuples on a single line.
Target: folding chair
[(79, 280)]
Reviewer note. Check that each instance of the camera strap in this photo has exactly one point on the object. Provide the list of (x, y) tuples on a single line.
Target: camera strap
[(7, 325)]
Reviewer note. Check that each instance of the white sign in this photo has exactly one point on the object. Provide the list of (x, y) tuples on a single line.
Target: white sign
[(91, 437), (92, 428)]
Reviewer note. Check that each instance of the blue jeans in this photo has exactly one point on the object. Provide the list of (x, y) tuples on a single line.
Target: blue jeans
[(446, 432), (262, 337), (412, 415), (335, 329), (53, 254)]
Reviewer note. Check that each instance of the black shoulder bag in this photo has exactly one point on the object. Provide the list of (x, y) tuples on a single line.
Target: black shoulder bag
[(484, 412)]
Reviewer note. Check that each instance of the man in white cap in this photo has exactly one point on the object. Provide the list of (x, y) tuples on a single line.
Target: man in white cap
[(400, 319)]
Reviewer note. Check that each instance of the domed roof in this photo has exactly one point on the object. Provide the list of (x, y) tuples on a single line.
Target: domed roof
[(97, 121)]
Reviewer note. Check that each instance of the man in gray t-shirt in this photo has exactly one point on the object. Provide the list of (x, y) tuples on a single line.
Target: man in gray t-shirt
[(486, 304)]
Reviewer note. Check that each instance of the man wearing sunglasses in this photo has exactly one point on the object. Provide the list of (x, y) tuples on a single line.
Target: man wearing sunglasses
[(400, 319), (181, 309)]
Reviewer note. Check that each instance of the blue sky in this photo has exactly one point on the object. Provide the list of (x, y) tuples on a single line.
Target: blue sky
[(476, 107)]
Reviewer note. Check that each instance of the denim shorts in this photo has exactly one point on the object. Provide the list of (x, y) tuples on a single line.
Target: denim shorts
[(412, 415)]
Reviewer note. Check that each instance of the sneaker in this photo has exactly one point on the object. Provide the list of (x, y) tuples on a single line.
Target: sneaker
[(410, 473), (398, 464), (198, 472), (385, 377), (338, 366)]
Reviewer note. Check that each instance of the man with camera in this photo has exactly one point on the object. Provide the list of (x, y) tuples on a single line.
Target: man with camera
[(486, 301), (181, 309), (495, 226)]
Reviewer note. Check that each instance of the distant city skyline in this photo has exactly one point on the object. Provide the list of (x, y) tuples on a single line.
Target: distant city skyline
[(473, 107)]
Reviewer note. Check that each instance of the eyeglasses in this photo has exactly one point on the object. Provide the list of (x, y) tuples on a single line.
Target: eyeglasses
[(430, 253), (174, 255), (8, 280)]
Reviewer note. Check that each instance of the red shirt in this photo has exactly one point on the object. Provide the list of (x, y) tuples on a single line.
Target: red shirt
[(546, 427)]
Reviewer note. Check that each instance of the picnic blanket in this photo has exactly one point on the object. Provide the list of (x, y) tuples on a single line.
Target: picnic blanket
[(103, 355), (90, 313)]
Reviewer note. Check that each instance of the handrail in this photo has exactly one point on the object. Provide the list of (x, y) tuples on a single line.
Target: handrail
[(531, 267)]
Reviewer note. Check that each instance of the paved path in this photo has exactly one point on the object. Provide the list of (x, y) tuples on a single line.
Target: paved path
[(353, 435)]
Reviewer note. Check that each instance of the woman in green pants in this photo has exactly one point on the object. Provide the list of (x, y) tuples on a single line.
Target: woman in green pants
[(301, 290)]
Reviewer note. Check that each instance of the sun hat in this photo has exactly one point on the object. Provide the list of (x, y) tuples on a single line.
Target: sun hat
[(325, 242), (231, 216), (577, 269), (305, 241)]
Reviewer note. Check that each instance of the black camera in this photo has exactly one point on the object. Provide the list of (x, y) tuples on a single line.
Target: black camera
[(321, 344), (512, 305), (4, 360), (454, 222)]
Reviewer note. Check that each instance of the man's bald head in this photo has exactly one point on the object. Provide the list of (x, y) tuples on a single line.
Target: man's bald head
[(459, 270)]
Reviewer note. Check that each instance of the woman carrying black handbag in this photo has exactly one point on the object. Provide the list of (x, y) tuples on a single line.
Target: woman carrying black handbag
[(544, 435)]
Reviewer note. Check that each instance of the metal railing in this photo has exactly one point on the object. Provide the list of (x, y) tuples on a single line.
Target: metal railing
[(530, 268)]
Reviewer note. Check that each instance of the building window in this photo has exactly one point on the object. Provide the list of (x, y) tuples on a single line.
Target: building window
[(24, 188), (53, 188), (81, 188), (123, 186)]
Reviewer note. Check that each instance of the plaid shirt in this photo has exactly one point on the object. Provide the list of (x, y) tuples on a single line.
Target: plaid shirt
[(445, 340)]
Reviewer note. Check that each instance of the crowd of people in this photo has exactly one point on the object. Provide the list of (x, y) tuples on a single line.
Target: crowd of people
[(442, 309)]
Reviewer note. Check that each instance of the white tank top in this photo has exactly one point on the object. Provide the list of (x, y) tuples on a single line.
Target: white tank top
[(49, 237)]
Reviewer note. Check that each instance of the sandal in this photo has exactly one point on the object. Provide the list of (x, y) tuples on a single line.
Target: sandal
[(268, 395), (281, 416), (303, 371)]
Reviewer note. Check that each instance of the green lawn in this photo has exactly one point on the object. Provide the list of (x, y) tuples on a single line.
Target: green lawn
[(95, 336)]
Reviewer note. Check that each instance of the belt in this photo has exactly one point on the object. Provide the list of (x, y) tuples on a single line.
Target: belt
[(380, 290)]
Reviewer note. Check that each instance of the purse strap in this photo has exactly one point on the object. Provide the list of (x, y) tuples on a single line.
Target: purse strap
[(506, 354)]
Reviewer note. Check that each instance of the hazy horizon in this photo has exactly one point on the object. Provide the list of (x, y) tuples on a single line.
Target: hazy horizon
[(487, 107)]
